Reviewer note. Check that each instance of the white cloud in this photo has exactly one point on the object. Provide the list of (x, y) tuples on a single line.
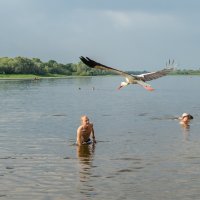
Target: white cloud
[(120, 19), (137, 19)]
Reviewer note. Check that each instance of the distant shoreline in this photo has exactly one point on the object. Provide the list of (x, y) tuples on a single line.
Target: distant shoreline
[(35, 77)]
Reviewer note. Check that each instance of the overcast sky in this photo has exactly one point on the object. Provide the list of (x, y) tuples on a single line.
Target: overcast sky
[(126, 34)]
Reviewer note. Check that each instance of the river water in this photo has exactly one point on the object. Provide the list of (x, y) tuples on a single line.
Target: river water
[(142, 152)]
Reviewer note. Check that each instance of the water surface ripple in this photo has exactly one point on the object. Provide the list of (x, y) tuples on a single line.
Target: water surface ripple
[(141, 153)]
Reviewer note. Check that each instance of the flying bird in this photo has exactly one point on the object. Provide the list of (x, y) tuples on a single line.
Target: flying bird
[(131, 78)]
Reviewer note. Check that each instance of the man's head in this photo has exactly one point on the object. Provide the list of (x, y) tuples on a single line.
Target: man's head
[(84, 120), (185, 117)]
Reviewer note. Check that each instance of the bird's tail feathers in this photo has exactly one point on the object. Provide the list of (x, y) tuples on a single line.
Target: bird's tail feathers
[(170, 64)]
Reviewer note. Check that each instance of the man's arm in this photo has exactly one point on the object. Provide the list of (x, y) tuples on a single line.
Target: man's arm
[(93, 136), (78, 139)]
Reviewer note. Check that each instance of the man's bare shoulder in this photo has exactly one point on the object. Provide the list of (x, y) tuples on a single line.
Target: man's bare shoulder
[(80, 127), (91, 125)]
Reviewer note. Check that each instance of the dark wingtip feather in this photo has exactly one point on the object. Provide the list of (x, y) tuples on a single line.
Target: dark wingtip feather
[(82, 58), (87, 61)]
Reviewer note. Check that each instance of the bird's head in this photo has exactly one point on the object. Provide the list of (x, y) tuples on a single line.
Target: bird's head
[(123, 84)]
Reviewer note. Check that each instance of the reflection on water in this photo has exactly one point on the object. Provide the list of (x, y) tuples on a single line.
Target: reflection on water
[(85, 154), (185, 131)]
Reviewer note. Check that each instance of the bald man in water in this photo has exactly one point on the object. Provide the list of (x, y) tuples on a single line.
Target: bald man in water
[(84, 132)]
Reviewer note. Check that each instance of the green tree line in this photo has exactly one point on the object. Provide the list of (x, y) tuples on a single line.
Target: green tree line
[(186, 72), (22, 65)]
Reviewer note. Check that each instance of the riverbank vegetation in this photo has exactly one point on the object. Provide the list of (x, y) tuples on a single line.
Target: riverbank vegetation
[(21, 67)]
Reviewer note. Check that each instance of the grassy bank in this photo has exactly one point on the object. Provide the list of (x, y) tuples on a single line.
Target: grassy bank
[(35, 77), (29, 76)]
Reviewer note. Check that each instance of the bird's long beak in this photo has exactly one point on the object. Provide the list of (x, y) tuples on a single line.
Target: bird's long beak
[(119, 87)]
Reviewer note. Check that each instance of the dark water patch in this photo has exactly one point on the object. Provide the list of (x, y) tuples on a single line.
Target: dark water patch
[(156, 118), (149, 164), (7, 157), (102, 141), (28, 158), (59, 115), (83, 181), (95, 176), (132, 132), (132, 159), (164, 118), (106, 115), (88, 188), (192, 157), (142, 114), (66, 158), (139, 167), (109, 176), (8, 167), (33, 147), (2, 195), (124, 170)]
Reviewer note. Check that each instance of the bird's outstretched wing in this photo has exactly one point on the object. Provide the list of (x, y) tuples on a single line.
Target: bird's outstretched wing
[(96, 65), (144, 77), (154, 75)]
